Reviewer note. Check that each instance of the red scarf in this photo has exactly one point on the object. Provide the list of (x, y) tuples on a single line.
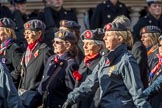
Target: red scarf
[(31, 46), (157, 67), (90, 58)]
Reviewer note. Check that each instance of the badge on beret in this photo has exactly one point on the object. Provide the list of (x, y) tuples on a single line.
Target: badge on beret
[(27, 25), (60, 34), (1, 24), (63, 23), (88, 34), (143, 30), (108, 27)]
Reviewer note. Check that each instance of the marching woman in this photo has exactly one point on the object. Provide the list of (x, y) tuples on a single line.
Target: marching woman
[(117, 73), (60, 70), (92, 45), (10, 52), (154, 91)]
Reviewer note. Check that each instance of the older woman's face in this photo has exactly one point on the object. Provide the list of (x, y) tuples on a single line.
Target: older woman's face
[(111, 40), (31, 36), (146, 40), (160, 47), (3, 35), (90, 47), (59, 46)]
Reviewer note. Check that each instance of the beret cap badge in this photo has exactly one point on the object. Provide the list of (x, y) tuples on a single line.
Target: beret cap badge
[(88, 34), (108, 27), (27, 25), (63, 23), (143, 30), (60, 34)]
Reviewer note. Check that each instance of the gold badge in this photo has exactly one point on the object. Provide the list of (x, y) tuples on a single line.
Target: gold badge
[(60, 34), (63, 23), (112, 68)]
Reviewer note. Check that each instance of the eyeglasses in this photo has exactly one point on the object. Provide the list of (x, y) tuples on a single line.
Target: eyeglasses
[(58, 42)]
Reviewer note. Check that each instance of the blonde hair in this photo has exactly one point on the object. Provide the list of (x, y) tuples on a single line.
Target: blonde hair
[(127, 37), (122, 20), (154, 38), (9, 32)]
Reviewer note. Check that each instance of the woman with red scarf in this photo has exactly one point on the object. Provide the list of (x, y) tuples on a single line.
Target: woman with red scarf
[(92, 45), (33, 61), (154, 91)]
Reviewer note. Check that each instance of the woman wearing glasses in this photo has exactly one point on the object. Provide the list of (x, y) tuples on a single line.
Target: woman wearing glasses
[(60, 70)]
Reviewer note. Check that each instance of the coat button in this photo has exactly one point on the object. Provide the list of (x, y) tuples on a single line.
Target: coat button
[(150, 21), (108, 16), (59, 106)]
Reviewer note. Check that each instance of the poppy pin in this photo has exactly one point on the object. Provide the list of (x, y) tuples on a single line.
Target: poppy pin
[(36, 54), (77, 75)]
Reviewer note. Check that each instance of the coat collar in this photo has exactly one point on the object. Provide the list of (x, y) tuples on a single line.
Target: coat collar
[(112, 55)]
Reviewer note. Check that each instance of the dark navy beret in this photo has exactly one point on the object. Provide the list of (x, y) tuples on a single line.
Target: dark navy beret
[(120, 23), (65, 35), (7, 22), (150, 29), (70, 25), (153, 1), (96, 34), (35, 25)]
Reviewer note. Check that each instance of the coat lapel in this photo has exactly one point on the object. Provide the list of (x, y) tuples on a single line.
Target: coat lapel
[(34, 55)]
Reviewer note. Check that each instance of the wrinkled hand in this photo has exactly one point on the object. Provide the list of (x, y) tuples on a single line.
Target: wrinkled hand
[(66, 105)]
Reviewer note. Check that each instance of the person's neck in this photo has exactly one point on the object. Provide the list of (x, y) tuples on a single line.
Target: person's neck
[(57, 8), (156, 17), (114, 2)]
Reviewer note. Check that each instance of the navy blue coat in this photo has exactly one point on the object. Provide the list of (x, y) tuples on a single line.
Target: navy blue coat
[(63, 82), (106, 12), (145, 21), (118, 77)]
